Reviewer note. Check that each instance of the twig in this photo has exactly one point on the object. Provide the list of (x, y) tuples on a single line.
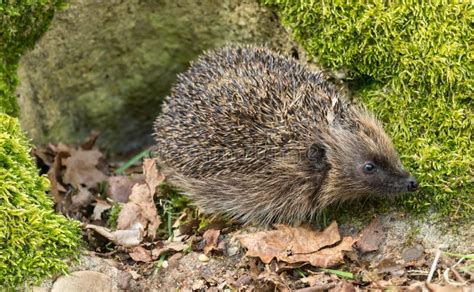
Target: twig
[(461, 281), (433, 266), (458, 262), (317, 288), (417, 273), (453, 283)]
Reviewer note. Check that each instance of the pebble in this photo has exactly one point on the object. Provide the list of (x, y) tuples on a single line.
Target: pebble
[(412, 253), (203, 258), (165, 265)]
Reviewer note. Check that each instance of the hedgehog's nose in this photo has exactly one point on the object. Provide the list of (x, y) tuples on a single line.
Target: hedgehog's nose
[(412, 184)]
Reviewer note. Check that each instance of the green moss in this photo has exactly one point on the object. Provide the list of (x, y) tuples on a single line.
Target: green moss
[(34, 239), (22, 23), (113, 215), (412, 64)]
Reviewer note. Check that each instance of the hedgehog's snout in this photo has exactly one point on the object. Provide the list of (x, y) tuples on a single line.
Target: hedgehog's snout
[(412, 184)]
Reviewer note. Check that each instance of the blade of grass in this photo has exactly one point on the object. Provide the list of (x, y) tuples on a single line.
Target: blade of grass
[(458, 255), (159, 264), (466, 269), (339, 273), (132, 161), (300, 273), (169, 226)]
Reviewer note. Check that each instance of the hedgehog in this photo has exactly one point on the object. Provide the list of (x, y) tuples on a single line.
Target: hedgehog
[(255, 136)]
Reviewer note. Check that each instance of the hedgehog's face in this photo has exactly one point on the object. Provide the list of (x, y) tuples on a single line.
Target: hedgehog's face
[(363, 161), (376, 175)]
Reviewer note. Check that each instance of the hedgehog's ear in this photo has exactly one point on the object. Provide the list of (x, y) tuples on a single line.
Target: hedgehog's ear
[(316, 155)]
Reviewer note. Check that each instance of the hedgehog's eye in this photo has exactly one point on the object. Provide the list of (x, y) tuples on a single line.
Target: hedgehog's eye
[(369, 168)]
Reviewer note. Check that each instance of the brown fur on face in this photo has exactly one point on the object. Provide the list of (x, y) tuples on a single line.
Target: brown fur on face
[(257, 137)]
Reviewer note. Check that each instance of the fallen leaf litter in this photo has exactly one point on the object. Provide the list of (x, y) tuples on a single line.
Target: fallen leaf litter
[(284, 258)]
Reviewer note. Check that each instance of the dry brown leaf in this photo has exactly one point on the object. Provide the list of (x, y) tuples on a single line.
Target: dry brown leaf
[(140, 254), (432, 287), (211, 238), (127, 238), (54, 175), (81, 199), (243, 281), (298, 244), (99, 208), (142, 197), (81, 168), (343, 287), (120, 187), (317, 288), (90, 140), (56, 186), (288, 241), (316, 280), (275, 279), (371, 237), (141, 207), (388, 265), (43, 154), (152, 177), (129, 215), (60, 147), (329, 257)]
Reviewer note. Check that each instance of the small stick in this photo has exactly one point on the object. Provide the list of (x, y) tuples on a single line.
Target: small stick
[(461, 281), (433, 266)]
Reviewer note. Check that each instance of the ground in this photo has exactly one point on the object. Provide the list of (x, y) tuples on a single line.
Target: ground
[(141, 234), (406, 59)]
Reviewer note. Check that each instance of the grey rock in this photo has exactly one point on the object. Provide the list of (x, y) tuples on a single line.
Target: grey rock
[(83, 281), (413, 253), (107, 65)]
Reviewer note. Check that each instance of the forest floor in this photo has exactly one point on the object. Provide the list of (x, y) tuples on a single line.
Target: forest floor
[(140, 234)]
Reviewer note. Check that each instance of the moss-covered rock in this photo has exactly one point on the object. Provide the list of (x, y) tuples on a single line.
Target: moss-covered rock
[(411, 63), (107, 65), (22, 24), (34, 240)]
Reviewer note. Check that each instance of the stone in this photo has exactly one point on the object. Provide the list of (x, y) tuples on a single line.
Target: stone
[(83, 281), (203, 258), (107, 65)]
